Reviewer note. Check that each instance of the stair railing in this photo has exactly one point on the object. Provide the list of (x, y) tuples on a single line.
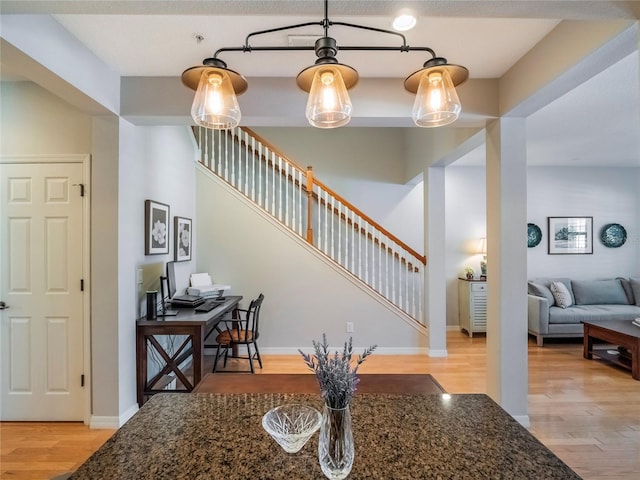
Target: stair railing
[(314, 212)]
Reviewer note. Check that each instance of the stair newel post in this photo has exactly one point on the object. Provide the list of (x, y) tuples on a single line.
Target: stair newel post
[(309, 203)]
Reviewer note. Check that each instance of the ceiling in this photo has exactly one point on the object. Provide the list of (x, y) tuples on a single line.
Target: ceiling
[(598, 122)]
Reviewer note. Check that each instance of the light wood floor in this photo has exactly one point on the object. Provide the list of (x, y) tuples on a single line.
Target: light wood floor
[(586, 412)]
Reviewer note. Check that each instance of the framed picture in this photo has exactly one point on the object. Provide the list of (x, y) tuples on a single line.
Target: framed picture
[(156, 228), (182, 239), (570, 235)]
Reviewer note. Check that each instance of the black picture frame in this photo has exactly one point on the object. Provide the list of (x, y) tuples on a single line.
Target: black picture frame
[(570, 235), (182, 231), (156, 228)]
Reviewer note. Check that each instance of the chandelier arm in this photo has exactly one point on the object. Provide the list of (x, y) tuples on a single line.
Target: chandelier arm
[(249, 49), (279, 29), (404, 48), (372, 29)]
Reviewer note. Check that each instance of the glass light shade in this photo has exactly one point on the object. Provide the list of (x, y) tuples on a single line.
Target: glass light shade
[(329, 105), (436, 101), (215, 104)]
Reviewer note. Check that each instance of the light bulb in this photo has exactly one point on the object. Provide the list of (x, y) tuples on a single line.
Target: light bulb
[(329, 105), (215, 104), (436, 101), (404, 22)]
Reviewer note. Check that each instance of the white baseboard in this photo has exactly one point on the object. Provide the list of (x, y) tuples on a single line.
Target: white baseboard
[(523, 420), (113, 423), (438, 353)]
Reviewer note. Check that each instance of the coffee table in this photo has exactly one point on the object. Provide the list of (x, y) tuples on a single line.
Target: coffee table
[(618, 332)]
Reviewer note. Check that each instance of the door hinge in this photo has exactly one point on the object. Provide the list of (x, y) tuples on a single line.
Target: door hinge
[(82, 380), (82, 284)]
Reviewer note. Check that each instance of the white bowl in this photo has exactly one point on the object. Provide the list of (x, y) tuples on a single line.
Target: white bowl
[(291, 425)]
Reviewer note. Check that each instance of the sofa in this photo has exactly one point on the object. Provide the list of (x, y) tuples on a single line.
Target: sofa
[(557, 306)]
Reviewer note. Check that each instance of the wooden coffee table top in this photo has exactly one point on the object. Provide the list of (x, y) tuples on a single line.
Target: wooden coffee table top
[(625, 327), (307, 383)]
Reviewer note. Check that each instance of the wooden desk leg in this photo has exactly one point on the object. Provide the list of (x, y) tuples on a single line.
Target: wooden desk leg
[(198, 354), (141, 371), (587, 343), (635, 361)]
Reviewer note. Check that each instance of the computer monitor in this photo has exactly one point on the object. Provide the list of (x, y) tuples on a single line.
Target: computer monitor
[(171, 279)]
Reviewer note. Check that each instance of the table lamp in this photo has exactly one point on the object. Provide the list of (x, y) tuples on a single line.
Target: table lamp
[(482, 249)]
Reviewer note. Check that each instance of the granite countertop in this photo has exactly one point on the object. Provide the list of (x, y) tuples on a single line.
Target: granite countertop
[(220, 436)]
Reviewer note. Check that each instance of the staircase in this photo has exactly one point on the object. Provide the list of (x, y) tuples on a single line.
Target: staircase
[(311, 210)]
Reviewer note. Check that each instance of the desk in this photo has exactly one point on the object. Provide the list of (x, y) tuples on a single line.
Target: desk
[(396, 436), (195, 326)]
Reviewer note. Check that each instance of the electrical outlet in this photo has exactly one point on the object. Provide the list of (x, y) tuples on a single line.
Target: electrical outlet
[(349, 327)]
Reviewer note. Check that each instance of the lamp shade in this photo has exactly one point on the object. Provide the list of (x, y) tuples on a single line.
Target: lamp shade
[(482, 246), (329, 105), (215, 104), (437, 101)]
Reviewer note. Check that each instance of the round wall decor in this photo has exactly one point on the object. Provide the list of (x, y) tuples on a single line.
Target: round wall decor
[(613, 235), (534, 235)]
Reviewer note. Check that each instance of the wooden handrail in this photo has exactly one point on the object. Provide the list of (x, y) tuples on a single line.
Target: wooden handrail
[(312, 180), (364, 216), (271, 147)]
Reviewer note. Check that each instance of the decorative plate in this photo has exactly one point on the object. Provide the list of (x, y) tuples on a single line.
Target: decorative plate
[(613, 235), (534, 235)]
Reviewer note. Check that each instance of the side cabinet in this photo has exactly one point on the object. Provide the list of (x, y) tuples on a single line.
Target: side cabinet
[(472, 305)]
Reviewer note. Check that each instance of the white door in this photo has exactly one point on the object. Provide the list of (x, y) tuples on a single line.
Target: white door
[(41, 258)]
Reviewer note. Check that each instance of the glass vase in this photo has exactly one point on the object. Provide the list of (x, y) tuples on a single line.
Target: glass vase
[(335, 444)]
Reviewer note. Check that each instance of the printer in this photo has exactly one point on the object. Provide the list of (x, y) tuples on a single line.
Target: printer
[(201, 285)]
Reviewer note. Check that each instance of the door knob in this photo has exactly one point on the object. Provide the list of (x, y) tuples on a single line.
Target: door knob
[(3, 306)]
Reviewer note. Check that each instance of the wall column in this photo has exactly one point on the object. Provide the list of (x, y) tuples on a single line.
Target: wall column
[(507, 377), (435, 274)]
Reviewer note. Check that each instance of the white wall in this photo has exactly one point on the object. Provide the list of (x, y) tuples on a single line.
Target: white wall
[(305, 295), (465, 212), (609, 195), (156, 163)]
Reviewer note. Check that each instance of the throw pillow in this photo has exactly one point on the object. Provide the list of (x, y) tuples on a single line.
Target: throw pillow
[(635, 286), (599, 292), (541, 291), (561, 294), (626, 285)]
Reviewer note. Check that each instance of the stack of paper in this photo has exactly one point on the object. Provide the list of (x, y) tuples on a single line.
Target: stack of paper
[(636, 322)]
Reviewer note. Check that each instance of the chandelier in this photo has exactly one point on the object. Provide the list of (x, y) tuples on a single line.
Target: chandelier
[(215, 104)]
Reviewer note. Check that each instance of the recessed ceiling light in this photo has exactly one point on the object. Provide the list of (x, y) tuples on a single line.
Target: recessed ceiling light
[(404, 22)]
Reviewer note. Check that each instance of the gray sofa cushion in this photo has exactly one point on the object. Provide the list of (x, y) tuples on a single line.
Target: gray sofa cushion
[(540, 290), (579, 313), (546, 281), (628, 290), (599, 292), (635, 286)]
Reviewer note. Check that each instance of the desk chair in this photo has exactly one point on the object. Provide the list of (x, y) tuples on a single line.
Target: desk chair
[(241, 330)]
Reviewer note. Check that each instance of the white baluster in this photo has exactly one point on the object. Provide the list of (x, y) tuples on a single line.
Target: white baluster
[(280, 188)]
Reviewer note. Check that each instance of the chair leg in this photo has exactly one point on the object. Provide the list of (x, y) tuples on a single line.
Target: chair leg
[(215, 361), (226, 355), (258, 355), (250, 357)]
